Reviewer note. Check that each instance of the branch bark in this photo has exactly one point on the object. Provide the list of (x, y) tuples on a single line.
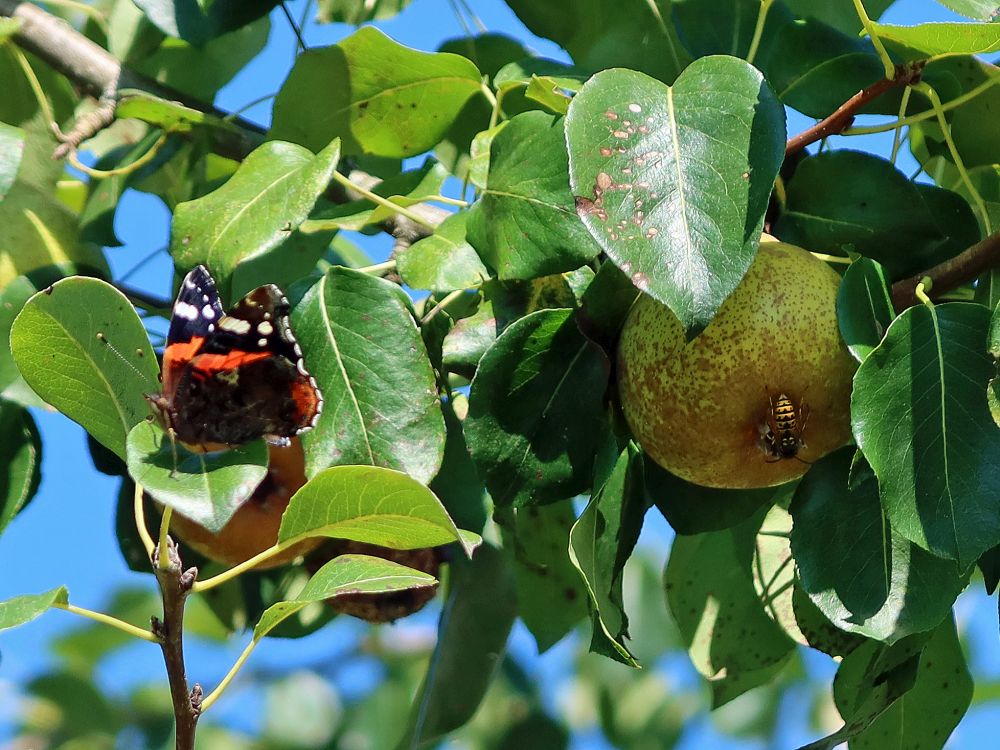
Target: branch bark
[(99, 73), (175, 585), (951, 274), (842, 118)]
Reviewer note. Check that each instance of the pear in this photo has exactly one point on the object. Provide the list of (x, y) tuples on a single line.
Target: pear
[(760, 394)]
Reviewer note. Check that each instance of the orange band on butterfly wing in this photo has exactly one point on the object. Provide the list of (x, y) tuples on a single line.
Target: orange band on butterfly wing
[(175, 358), (210, 364)]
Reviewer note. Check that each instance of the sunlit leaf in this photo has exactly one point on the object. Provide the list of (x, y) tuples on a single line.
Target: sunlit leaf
[(207, 488), (673, 182), (373, 505), (864, 306), (346, 574), (254, 212), (920, 416), (378, 96), (80, 345), (534, 409), (380, 396), (23, 609)]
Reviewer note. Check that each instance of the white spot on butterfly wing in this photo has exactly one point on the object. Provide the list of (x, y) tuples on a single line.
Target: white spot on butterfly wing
[(235, 325), (262, 342), (208, 312), (185, 311)]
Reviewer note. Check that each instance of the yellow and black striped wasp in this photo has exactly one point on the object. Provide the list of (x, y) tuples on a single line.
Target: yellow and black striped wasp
[(781, 433)]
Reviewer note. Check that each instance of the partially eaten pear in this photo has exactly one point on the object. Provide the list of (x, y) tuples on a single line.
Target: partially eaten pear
[(714, 410)]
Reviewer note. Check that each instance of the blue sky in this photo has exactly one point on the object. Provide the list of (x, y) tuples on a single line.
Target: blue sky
[(66, 535)]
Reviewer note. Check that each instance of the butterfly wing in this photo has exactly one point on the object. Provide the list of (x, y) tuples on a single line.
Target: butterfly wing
[(248, 378)]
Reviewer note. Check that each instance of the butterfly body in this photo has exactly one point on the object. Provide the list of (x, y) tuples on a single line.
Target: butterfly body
[(229, 378)]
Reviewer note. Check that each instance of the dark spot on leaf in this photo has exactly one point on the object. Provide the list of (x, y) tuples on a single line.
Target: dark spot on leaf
[(48, 289), (570, 594)]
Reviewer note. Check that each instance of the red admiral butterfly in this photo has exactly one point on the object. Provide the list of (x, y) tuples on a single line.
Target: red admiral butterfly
[(232, 378)]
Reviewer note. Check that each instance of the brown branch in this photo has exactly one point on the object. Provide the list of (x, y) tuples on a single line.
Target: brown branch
[(97, 71), (175, 585), (843, 117), (950, 274)]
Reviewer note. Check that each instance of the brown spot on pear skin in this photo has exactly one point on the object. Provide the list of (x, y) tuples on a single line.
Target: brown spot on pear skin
[(696, 406)]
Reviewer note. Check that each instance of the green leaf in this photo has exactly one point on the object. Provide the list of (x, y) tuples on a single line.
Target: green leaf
[(174, 116), (693, 509), (12, 300), (720, 27), (201, 69), (357, 12), (601, 34), (472, 634), (23, 609), (346, 574), (8, 27), (601, 541), (467, 341), (875, 211), (864, 306), (378, 96), (818, 631), (870, 679), (841, 14), (11, 150), (198, 22), (920, 416), (20, 460), (443, 261), (683, 231), (373, 505), (853, 564), (711, 593), (925, 716), (550, 596), (605, 305), (535, 410), (979, 10), (814, 68), (19, 107), (489, 52), (81, 347), (271, 193), (937, 39), (524, 225), (479, 155), (207, 488), (457, 484), (39, 231), (381, 404)]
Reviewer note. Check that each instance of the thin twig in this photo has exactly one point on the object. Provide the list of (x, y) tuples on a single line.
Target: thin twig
[(104, 174), (842, 118), (175, 585), (114, 622), (950, 274)]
